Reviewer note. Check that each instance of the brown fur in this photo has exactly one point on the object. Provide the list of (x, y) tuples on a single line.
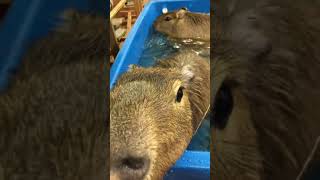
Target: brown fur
[(146, 120), (266, 53), (53, 118), (184, 25), (78, 36)]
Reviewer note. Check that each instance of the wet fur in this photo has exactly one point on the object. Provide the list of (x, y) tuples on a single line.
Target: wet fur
[(266, 52), (53, 117), (191, 26), (144, 122)]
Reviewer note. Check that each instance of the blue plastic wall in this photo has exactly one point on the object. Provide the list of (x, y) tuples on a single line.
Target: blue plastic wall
[(193, 164)]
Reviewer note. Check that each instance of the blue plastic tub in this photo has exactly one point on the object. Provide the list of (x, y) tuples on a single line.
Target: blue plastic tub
[(193, 164), (28, 20)]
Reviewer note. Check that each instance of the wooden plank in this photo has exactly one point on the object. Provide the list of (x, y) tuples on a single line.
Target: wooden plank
[(129, 23), (145, 2), (125, 13), (140, 6), (111, 59), (114, 44), (117, 8), (136, 6)]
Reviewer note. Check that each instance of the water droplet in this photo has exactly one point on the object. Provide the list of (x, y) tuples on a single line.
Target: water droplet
[(176, 46)]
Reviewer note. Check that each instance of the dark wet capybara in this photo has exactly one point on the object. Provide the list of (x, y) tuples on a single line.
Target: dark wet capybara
[(53, 118), (183, 24), (265, 86), (154, 113)]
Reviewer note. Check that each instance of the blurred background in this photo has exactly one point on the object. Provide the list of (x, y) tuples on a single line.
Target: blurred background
[(123, 14), (4, 6)]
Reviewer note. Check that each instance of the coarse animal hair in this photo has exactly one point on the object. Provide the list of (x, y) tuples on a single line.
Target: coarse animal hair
[(53, 118), (183, 24), (266, 56), (146, 121)]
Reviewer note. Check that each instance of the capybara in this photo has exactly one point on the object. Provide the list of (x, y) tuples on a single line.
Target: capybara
[(154, 113), (183, 24), (265, 88), (53, 117)]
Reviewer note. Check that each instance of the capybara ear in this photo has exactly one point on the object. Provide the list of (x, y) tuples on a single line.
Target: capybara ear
[(181, 13), (188, 74), (184, 8)]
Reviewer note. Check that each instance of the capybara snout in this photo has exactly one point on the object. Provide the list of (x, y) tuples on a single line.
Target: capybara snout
[(147, 127)]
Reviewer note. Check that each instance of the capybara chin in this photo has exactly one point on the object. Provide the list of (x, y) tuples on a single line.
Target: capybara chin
[(53, 117), (183, 24), (154, 113), (265, 88)]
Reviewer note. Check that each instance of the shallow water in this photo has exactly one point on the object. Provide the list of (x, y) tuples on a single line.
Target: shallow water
[(159, 46)]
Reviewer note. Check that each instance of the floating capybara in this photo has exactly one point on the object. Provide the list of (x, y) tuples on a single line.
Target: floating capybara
[(183, 24)]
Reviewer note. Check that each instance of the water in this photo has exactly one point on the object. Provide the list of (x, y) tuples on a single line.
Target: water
[(158, 46)]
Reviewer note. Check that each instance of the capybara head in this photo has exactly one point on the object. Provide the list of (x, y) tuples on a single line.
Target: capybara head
[(265, 88), (183, 24), (154, 113), (53, 118)]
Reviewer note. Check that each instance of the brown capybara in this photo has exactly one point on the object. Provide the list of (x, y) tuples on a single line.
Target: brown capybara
[(182, 24), (265, 87), (154, 113), (53, 117)]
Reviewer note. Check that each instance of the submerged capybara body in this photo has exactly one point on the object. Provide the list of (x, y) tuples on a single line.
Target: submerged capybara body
[(154, 113), (53, 117), (183, 24), (265, 86)]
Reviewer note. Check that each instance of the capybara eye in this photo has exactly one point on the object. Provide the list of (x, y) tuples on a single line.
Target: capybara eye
[(179, 95), (222, 108), (168, 18)]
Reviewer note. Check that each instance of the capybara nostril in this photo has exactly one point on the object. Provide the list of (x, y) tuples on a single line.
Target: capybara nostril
[(134, 163), (132, 167)]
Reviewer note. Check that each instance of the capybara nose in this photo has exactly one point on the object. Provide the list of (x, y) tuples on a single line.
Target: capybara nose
[(132, 167)]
